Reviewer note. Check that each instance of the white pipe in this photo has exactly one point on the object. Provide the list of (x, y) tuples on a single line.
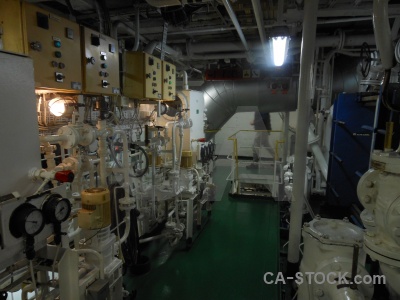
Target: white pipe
[(137, 25), (286, 138), (304, 101), (260, 24), (198, 178), (315, 148), (127, 221), (99, 257), (101, 125), (25, 290), (382, 32), (52, 138), (185, 80), (235, 22)]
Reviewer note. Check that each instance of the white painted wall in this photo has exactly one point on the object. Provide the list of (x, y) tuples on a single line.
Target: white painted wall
[(241, 121)]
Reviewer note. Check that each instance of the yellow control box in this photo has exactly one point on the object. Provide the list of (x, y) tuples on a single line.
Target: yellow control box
[(142, 76), (100, 63), (12, 32), (169, 81), (54, 46)]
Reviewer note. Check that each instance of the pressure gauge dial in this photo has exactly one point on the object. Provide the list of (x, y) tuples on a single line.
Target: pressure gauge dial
[(56, 209), (26, 220)]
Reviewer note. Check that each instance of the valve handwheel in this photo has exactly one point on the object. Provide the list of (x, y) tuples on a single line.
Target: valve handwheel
[(365, 55)]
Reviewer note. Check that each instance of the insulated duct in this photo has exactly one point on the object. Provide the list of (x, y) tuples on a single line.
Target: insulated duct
[(222, 99)]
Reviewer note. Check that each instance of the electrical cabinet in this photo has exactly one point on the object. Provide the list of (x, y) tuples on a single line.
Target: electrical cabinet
[(100, 63), (12, 34), (168, 81), (54, 46), (142, 76)]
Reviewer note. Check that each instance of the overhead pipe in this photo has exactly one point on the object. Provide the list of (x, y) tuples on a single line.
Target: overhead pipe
[(185, 80), (260, 24), (321, 42), (303, 112), (316, 150), (223, 98), (382, 32), (99, 15), (137, 27), (118, 25), (235, 22)]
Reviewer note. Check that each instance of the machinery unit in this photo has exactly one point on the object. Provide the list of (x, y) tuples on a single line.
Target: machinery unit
[(168, 81), (332, 250), (54, 46), (142, 76), (12, 31), (100, 63)]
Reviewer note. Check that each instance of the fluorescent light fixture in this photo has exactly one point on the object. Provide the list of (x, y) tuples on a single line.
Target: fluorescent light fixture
[(57, 107), (279, 49)]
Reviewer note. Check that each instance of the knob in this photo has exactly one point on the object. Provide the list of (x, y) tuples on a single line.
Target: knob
[(54, 64), (101, 73), (91, 60), (104, 83), (106, 74), (103, 57), (148, 75), (104, 65), (61, 65), (57, 54), (165, 80), (154, 72), (170, 93), (64, 176), (60, 77), (154, 91)]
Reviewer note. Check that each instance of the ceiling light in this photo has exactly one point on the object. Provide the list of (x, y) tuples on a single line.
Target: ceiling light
[(279, 49)]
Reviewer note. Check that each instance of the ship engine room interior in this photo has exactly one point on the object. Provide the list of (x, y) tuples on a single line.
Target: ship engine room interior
[(199, 149)]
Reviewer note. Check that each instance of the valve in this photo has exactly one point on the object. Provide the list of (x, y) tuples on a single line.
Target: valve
[(64, 176)]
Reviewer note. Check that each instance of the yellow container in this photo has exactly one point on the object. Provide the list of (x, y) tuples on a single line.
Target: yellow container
[(186, 159), (96, 210)]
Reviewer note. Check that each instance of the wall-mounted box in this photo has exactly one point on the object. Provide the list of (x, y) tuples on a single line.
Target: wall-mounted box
[(142, 76), (100, 63), (54, 46), (168, 81), (12, 30)]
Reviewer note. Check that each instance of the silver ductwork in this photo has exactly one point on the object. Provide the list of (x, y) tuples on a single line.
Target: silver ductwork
[(223, 98)]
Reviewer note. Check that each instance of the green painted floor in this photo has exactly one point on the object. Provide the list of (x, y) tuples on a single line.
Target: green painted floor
[(228, 259)]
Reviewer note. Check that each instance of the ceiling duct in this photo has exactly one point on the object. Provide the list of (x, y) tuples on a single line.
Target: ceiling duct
[(223, 98), (163, 3)]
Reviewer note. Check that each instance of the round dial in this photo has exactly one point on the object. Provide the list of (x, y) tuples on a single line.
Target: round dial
[(26, 220), (56, 209)]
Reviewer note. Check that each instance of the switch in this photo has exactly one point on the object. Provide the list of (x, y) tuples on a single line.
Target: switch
[(57, 54), (154, 73), (165, 80), (104, 84), (154, 91), (57, 44), (104, 65), (148, 75), (154, 78), (103, 57), (61, 65), (59, 77), (90, 60), (37, 46)]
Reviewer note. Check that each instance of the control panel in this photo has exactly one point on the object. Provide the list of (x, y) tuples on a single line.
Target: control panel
[(54, 46), (12, 36), (142, 76), (100, 63), (168, 81)]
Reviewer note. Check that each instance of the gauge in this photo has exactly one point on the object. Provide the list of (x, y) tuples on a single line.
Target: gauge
[(56, 209), (26, 220)]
